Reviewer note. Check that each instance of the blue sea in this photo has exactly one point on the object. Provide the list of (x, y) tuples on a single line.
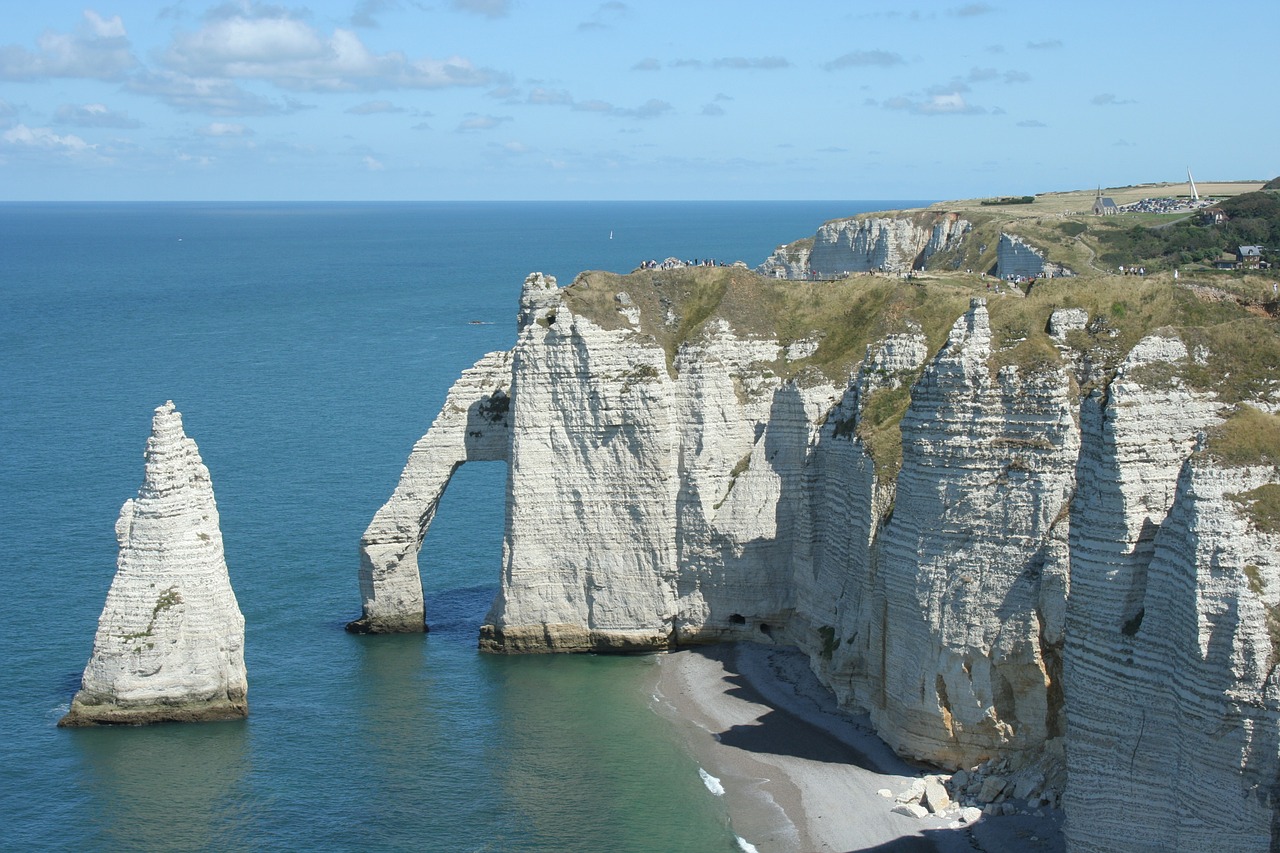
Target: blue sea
[(308, 346)]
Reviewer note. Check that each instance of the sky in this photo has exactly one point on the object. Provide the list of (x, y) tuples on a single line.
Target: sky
[(644, 99)]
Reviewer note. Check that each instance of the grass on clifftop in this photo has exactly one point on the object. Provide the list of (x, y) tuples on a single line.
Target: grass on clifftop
[(843, 316), (1226, 320)]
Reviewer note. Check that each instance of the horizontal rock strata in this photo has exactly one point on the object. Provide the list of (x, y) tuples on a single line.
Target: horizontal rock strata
[(170, 641)]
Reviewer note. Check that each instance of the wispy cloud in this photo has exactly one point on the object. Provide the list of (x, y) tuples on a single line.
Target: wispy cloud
[(865, 59), (487, 8), (94, 115), (752, 63), (987, 75), (369, 108), (735, 63), (647, 64), (604, 16), (972, 10), (98, 49), (207, 95), (1047, 44), (367, 11), (473, 122), (1107, 99), (1031, 123)]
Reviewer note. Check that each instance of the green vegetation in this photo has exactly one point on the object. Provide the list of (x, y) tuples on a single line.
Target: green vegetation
[(1248, 437), (1008, 199), (1253, 220), (1254, 577), (879, 428), (739, 468), (1263, 506), (167, 599)]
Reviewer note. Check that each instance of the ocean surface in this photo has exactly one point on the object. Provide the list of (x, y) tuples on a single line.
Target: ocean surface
[(308, 346)]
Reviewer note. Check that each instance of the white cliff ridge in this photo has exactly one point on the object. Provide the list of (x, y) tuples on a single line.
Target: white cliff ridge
[(170, 641), (883, 244), (1008, 547)]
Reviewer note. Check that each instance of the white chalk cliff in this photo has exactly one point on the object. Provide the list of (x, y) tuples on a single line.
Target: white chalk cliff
[(170, 641), (886, 244), (1057, 579)]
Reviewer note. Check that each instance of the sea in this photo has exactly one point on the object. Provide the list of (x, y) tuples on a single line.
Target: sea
[(308, 345)]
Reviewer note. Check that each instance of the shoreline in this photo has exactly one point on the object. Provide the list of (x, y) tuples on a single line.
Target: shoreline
[(797, 774)]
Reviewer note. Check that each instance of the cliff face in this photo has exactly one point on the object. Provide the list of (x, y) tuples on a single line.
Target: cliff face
[(890, 245), (1034, 568), (170, 641)]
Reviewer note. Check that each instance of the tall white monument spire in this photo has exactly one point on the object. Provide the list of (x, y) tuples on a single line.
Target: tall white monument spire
[(1195, 196)]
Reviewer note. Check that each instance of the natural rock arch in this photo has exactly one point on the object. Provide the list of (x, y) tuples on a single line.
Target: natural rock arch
[(472, 427)]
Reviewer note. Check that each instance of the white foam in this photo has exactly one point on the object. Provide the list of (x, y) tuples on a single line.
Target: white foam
[(712, 783), (746, 846)]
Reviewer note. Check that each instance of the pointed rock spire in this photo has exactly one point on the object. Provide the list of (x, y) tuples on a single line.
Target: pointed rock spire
[(170, 641)]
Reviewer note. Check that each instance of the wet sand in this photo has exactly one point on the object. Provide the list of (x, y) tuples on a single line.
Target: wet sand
[(800, 776)]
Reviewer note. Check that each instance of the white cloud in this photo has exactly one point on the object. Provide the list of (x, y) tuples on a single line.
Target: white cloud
[(98, 49), (224, 129), (373, 164), (936, 103), (44, 140), (94, 115), (1107, 99), (271, 44), (1031, 123)]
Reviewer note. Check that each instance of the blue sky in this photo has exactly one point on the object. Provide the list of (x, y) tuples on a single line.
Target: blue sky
[(646, 99)]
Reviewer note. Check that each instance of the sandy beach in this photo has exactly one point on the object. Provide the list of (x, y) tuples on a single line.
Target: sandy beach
[(800, 776)]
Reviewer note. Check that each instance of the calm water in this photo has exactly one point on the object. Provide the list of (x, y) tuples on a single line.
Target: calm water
[(308, 346)]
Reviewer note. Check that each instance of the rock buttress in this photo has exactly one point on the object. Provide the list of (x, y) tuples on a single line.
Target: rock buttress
[(1170, 652), (987, 469)]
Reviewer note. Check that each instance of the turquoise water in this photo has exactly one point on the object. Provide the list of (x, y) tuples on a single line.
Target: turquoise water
[(308, 346)]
